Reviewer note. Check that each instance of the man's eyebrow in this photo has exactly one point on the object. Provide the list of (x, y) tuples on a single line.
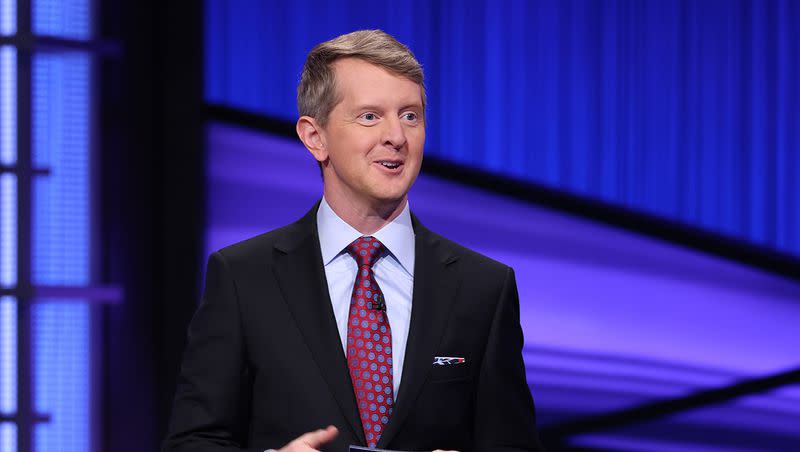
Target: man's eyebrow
[(415, 105), (362, 107)]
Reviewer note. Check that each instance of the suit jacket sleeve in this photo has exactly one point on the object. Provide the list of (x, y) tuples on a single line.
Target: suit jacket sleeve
[(209, 413), (504, 411)]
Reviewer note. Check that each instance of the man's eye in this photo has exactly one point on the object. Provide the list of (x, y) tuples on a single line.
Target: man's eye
[(369, 116), (410, 116)]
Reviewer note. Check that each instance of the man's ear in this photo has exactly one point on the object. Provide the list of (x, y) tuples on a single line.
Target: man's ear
[(311, 134)]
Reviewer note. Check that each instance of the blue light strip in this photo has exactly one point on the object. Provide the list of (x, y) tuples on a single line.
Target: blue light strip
[(8, 17), (8, 105), (8, 355), (8, 156), (61, 345), (61, 253), (8, 230), (61, 143), (8, 437), (62, 18)]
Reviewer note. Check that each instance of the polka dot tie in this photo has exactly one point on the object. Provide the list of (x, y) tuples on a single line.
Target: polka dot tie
[(369, 342)]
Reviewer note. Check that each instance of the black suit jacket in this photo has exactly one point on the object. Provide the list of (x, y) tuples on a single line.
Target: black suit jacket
[(264, 361)]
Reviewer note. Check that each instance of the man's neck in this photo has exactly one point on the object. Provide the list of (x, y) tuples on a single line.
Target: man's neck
[(364, 218)]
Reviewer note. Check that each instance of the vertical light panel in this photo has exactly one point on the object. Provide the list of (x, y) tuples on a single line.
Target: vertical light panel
[(8, 357), (8, 105), (61, 213), (61, 143), (61, 375), (8, 157), (8, 17), (8, 437), (8, 229), (62, 18)]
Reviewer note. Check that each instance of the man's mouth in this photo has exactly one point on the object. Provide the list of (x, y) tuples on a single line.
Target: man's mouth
[(390, 165)]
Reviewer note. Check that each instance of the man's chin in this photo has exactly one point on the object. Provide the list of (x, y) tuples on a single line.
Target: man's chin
[(389, 203)]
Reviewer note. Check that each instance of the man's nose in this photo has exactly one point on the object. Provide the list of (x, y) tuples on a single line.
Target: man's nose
[(394, 134)]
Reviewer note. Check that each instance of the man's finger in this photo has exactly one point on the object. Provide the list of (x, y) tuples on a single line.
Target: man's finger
[(319, 437)]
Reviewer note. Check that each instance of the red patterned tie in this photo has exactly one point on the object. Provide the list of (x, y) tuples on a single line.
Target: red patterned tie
[(369, 342)]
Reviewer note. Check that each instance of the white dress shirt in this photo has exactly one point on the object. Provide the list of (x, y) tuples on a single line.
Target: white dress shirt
[(394, 272)]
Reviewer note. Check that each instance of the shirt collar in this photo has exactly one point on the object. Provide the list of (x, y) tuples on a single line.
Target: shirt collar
[(335, 234)]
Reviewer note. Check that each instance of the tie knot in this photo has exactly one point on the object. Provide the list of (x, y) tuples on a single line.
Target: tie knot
[(366, 250)]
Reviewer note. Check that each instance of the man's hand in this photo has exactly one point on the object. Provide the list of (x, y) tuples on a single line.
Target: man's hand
[(311, 441)]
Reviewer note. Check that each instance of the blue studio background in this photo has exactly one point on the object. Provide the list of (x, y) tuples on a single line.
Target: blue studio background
[(683, 109)]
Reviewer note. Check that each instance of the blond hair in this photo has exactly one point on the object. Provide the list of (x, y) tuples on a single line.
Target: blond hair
[(316, 93)]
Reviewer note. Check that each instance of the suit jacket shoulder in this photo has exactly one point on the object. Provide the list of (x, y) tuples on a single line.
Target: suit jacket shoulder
[(472, 265), (256, 252), (470, 256)]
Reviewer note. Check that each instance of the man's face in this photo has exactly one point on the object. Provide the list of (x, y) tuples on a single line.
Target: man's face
[(374, 136)]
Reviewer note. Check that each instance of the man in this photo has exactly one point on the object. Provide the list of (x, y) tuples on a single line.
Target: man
[(356, 317)]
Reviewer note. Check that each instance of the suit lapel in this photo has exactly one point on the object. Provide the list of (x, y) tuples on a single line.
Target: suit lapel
[(300, 274), (435, 285)]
